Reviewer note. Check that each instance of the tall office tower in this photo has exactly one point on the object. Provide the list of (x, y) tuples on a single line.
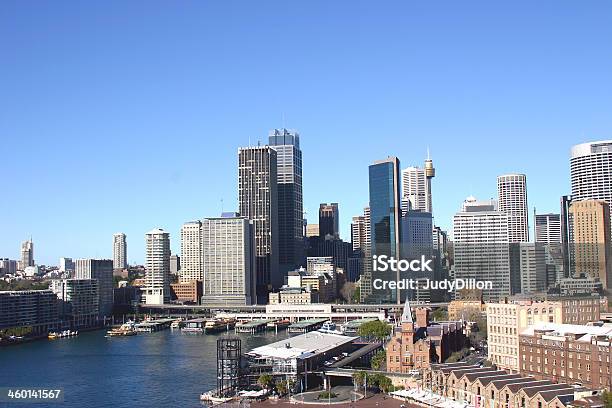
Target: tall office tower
[(416, 187), (175, 264), (66, 265), (329, 220), (157, 265), (286, 143), (228, 254), (192, 266), (358, 232), (365, 281), (258, 201), (119, 251), (532, 267), (7, 266), (512, 194), (416, 235), (566, 235), (548, 228), (416, 242), (591, 240), (102, 270), (481, 249), (591, 171), (385, 212), (27, 254)]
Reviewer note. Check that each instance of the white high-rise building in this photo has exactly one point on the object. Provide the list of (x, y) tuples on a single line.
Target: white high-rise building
[(228, 256), (512, 197), (119, 251), (591, 171), (481, 246), (192, 267), (102, 270), (157, 264), (548, 229)]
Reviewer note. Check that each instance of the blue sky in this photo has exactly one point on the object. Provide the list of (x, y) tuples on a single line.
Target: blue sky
[(125, 116)]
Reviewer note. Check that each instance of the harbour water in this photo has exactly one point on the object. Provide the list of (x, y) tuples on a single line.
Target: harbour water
[(162, 369)]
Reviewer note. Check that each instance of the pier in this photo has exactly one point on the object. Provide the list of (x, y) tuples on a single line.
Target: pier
[(254, 326), (305, 326), (150, 326)]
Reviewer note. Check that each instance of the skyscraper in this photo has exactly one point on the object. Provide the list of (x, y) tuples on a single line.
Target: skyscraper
[(329, 220), (512, 194), (385, 211), (102, 271), (566, 235), (286, 143), (192, 266), (416, 187), (591, 171), (258, 201), (481, 249), (119, 251), (157, 265), (228, 254), (27, 254), (591, 240), (66, 265), (548, 228)]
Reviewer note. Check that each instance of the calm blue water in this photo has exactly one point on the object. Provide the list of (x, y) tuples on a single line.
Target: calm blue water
[(163, 369)]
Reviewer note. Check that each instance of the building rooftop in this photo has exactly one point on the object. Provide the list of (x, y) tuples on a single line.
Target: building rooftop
[(558, 331), (302, 346)]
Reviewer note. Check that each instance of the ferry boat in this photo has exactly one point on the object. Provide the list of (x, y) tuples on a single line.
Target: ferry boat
[(219, 325), (329, 327), (62, 334), (126, 329)]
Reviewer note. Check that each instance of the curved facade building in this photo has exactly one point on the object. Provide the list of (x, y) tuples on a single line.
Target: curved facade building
[(591, 171)]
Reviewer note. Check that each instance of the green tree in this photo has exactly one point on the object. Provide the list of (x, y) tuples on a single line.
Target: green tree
[(265, 380), (376, 329), (607, 399), (357, 294), (378, 360), (439, 314), (281, 387)]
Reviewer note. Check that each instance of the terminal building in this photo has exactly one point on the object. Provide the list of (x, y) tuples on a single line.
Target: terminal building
[(293, 358)]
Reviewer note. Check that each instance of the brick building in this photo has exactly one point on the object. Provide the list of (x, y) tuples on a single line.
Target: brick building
[(415, 345), (567, 353), (487, 387), (190, 292)]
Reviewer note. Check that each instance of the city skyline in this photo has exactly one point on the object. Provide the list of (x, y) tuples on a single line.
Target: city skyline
[(532, 91)]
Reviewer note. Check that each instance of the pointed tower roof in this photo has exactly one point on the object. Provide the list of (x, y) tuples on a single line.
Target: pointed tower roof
[(407, 314)]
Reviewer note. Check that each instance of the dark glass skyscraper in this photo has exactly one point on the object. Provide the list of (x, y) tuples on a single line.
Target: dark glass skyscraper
[(329, 220), (385, 211), (286, 143)]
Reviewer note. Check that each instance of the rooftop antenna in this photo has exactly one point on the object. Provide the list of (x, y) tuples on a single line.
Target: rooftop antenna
[(283, 120), (222, 206), (428, 158)]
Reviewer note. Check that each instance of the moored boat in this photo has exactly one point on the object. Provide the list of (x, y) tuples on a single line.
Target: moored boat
[(126, 329)]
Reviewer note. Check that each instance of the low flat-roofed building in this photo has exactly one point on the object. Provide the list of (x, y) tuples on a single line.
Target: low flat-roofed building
[(186, 292), (293, 296), (291, 358)]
